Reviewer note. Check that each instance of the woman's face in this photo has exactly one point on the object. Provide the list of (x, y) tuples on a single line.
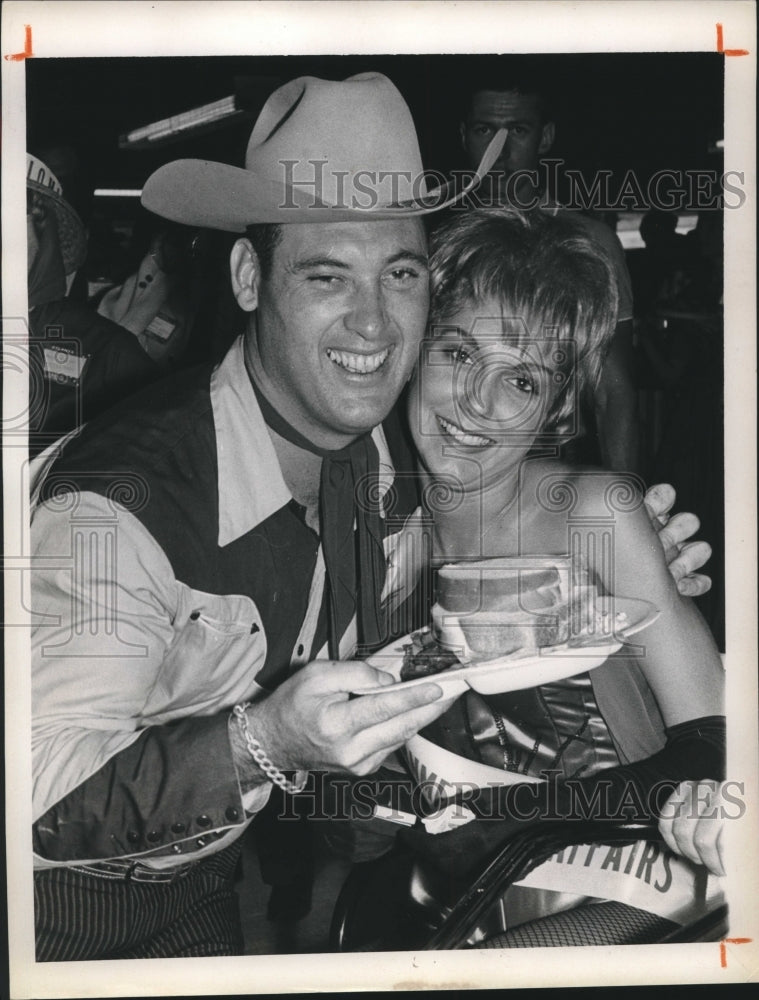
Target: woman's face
[(481, 394)]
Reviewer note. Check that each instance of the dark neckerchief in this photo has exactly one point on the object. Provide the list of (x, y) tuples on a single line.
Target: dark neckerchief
[(347, 493)]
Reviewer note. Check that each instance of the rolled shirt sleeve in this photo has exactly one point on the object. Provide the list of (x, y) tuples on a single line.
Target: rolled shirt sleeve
[(131, 755)]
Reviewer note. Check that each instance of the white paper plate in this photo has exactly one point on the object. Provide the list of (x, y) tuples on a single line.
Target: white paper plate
[(513, 673)]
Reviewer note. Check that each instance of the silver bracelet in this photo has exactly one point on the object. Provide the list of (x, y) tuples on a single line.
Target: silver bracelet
[(259, 756)]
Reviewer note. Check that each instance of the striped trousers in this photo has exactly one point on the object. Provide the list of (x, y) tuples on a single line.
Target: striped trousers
[(81, 917)]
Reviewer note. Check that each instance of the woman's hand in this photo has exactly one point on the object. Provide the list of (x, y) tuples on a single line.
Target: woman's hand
[(691, 823)]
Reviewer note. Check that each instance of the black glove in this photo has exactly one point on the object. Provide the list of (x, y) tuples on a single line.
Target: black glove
[(695, 750)]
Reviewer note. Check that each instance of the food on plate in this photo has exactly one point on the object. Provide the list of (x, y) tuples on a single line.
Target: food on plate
[(494, 607), (508, 607), (423, 656), (499, 607)]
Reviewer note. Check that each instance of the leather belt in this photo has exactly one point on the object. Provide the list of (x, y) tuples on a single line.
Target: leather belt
[(134, 871)]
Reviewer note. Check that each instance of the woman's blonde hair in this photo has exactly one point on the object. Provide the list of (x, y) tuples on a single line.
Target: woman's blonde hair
[(547, 273)]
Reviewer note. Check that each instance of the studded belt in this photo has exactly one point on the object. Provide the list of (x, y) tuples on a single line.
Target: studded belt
[(134, 871)]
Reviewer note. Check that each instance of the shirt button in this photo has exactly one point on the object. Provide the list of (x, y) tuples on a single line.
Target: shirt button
[(203, 820), (232, 814), (201, 841), (176, 848), (133, 837), (152, 836), (300, 649), (178, 827)]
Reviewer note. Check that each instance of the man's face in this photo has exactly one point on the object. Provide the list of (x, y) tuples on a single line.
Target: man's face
[(339, 321), (529, 137)]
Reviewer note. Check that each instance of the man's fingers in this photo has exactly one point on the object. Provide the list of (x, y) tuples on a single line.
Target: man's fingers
[(659, 500), (690, 558), (342, 675), (376, 709), (672, 537), (385, 737), (694, 585), (683, 558), (680, 528)]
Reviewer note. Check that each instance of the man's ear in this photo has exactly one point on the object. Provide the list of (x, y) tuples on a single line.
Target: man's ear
[(246, 275), (547, 137)]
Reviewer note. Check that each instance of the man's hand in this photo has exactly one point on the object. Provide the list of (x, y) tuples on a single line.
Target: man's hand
[(683, 558), (691, 823), (311, 723)]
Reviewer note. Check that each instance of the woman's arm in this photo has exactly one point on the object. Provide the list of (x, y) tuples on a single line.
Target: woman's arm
[(677, 653), (680, 661)]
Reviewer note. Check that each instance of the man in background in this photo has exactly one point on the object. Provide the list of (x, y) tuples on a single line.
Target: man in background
[(518, 103), (80, 363)]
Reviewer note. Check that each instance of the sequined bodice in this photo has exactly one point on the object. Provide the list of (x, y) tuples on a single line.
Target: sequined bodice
[(555, 727)]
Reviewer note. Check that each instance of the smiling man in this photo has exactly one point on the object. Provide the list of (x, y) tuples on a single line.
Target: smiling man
[(214, 555), (338, 321), (231, 542)]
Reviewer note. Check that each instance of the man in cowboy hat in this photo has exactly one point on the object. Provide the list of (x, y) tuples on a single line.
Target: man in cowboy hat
[(235, 542)]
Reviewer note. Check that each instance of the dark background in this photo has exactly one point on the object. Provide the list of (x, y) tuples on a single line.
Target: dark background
[(640, 112), (646, 111)]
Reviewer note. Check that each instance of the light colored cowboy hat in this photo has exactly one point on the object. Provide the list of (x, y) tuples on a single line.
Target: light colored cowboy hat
[(72, 235), (320, 151)]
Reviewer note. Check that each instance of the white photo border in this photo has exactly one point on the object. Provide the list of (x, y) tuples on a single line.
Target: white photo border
[(79, 29)]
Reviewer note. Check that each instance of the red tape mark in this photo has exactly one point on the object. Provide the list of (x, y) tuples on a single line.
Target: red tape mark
[(721, 46), (723, 949), (27, 53)]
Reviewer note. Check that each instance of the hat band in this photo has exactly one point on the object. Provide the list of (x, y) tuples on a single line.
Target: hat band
[(319, 189), (39, 175)]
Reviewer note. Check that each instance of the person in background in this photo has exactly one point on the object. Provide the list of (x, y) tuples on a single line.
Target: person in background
[(255, 560), (73, 170), (80, 364), (670, 261), (161, 300), (517, 100)]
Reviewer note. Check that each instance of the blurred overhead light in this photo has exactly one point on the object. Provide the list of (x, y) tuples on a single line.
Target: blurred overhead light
[(248, 97), (117, 192), (205, 116)]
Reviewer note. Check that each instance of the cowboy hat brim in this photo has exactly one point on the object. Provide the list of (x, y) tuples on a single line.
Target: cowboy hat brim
[(232, 198), (320, 151)]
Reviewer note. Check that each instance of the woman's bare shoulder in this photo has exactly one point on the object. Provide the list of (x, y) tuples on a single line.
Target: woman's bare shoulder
[(581, 491)]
